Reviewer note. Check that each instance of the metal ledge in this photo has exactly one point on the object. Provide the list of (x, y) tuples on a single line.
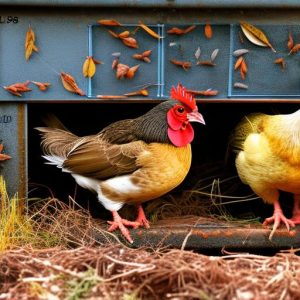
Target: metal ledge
[(254, 4), (213, 236)]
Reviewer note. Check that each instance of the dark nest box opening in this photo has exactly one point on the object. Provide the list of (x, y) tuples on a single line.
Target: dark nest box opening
[(209, 150)]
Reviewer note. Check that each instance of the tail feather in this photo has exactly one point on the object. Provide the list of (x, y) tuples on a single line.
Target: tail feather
[(54, 160), (56, 142), (51, 120)]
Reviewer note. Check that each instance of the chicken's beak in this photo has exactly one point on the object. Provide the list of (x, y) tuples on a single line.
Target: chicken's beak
[(195, 116)]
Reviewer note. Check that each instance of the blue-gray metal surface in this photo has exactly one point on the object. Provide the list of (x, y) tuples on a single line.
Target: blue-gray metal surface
[(63, 46), (158, 3), (65, 42), (183, 48), (264, 77), (13, 135), (103, 45)]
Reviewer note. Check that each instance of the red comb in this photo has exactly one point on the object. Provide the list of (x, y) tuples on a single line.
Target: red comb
[(183, 96)]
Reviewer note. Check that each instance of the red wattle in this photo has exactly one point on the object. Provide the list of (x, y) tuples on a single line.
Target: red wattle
[(180, 138)]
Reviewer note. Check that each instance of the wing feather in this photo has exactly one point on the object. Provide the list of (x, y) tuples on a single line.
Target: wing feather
[(96, 158)]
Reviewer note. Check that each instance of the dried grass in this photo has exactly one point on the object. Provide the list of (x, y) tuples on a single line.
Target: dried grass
[(208, 198), (62, 259), (116, 272)]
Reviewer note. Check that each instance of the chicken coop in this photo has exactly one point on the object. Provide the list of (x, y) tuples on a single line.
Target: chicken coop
[(195, 43)]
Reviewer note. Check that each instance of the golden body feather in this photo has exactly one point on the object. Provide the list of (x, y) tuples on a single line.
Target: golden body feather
[(161, 167), (268, 158)]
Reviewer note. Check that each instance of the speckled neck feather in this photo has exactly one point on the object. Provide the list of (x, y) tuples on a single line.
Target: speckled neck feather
[(150, 127)]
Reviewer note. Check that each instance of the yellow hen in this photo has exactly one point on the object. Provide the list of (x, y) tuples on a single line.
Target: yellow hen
[(268, 160)]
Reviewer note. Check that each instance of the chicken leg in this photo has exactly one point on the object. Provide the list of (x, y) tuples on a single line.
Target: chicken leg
[(296, 210), (277, 218), (141, 218), (119, 223)]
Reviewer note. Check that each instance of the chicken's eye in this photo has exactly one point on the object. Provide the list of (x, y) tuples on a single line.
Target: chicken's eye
[(180, 110)]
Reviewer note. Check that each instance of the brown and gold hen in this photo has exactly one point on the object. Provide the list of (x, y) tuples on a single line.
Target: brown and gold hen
[(268, 160), (130, 161)]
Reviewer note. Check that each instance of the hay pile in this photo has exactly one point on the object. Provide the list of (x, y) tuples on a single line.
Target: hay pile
[(49, 251), (116, 272), (63, 260)]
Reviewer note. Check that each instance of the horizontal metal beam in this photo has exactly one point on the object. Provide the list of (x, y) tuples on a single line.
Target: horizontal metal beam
[(255, 4), (207, 235)]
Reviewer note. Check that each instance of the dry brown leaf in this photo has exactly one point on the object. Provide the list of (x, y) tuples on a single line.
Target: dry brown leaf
[(176, 31), (244, 66), (147, 60), (179, 31), (242, 73), (3, 156), (138, 56), (143, 92), (149, 30), (89, 67), (124, 34), (208, 63), (70, 84), (184, 64), (115, 63), (18, 88), (208, 31), (110, 97), (147, 53), (130, 42), (109, 22), (22, 86), (238, 62), (12, 90), (125, 38), (295, 49), (255, 35), (280, 61), (43, 86), (131, 72), (121, 70), (290, 43), (208, 92), (143, 56), (30, 43)]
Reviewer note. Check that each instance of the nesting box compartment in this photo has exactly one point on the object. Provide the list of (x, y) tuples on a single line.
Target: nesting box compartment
[(65, 37)]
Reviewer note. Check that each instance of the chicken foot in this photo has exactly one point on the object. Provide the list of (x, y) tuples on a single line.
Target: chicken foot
[(119, 223), (141, 218), (296, 210), (277, 218)]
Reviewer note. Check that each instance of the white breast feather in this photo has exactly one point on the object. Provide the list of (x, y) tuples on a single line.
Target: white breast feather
[(87, 183), (122, 184), (116, 183)]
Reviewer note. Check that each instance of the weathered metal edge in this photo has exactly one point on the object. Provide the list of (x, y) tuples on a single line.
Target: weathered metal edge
[(257, 4), (210, 237)]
